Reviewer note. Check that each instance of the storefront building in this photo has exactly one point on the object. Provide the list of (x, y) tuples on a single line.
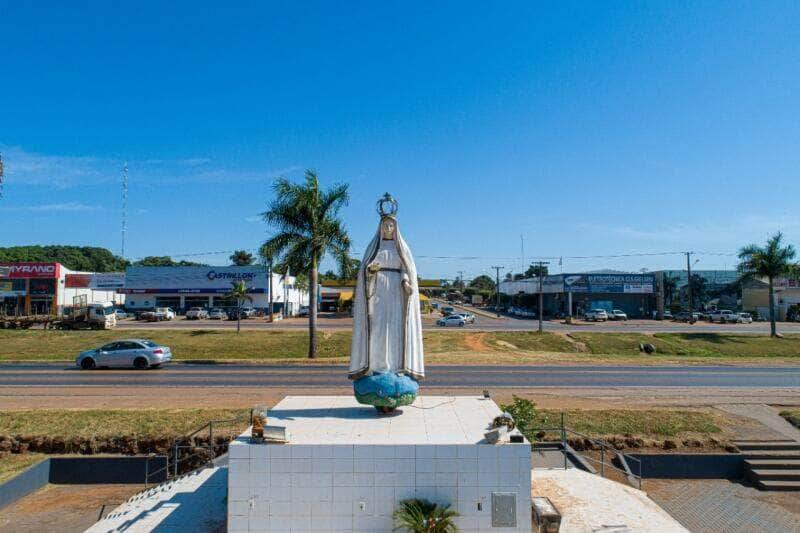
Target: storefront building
[(574, 294), (184, 287), (32, 288)]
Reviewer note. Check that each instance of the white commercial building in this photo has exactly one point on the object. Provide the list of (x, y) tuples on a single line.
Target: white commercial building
[(207, 286)]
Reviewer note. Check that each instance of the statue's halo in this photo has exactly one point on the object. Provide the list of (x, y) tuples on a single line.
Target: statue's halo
[(387, 206)]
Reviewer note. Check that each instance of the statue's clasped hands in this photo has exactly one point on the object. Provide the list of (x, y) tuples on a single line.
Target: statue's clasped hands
[(374, 267)]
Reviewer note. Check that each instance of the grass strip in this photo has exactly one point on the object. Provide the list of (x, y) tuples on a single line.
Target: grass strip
[(12, 464)]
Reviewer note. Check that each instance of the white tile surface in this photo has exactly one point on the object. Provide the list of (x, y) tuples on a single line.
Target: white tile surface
[(346, 468)]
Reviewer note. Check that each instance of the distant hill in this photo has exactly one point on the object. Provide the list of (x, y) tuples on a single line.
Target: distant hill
[(85, 258)]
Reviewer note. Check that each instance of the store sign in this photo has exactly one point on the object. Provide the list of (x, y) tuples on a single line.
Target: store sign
[(32, 270), (7, 290), (102, 281), (193, 280), (42, 287), (610, 283)]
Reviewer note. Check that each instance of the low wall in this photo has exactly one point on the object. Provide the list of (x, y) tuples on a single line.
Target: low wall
[(81, 470), (89, 470), (685, 466)]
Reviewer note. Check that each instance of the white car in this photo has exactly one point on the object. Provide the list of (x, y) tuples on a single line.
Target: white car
[(617, 314), (596, 315), (452, 320), (469, 318), (164, 313), (137, 353), (120, 314), (218, 314), (745, 318), (196, 313), (723, 316)]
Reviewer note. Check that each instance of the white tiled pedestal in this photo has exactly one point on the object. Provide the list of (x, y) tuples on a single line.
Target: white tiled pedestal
[(345, 468)]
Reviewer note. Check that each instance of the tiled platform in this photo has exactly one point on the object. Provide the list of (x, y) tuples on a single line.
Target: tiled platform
[(346, 468)]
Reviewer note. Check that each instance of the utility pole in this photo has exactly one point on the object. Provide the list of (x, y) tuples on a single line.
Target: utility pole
[(461, 280), (271, 304), (522, 251), (541, 294), (1, 175), (689, 284), (124, 207), (497, 290)]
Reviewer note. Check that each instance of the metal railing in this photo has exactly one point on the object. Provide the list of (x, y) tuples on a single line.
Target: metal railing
[(173, 466), (606, 451)]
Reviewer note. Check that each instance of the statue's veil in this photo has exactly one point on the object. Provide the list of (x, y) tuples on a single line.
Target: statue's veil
[(413, 364)]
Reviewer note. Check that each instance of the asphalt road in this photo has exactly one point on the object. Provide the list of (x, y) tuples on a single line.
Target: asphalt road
[(308, 377), (481, 324)]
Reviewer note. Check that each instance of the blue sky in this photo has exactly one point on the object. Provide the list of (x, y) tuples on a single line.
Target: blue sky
[(590, 128)]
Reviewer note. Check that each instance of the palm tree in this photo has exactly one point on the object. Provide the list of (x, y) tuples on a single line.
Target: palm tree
[(241, 258), (307, 228), (240, 292), (422, 516), (770, 261)]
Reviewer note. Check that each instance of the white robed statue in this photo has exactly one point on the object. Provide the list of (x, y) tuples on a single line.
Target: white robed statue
[(386, 358)]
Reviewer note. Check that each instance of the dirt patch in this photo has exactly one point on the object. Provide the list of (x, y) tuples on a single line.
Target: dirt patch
[(476, 342), (579, 346), (64, 508)]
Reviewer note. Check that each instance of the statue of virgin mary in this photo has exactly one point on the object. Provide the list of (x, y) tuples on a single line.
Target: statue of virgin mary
[(386, 358)]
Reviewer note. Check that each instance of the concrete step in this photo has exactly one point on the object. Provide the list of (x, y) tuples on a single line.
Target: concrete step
[(768, 445), (775, 475), (779, 485), (773, 464), (776, 454)]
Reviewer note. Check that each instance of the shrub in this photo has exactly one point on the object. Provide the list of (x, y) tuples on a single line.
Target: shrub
[(422, 516)]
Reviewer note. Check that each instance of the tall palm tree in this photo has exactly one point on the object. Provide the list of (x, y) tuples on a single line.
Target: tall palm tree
[(240, 292), (770, 261), (307, 228)]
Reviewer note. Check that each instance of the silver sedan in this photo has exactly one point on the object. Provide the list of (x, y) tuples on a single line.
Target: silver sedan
[(137, 353)]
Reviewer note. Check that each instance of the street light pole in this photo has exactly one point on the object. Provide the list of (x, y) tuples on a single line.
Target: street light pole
[(541, 294), (497, 290), (689, 284)]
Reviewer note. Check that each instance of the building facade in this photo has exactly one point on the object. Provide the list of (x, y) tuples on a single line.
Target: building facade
[(574, 294), (33, 288), (184, 287)]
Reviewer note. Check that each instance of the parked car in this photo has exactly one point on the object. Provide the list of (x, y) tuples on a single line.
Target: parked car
[(159, 314), (136, 353), (745, 318), (121, 314), (683, 316), (724, 316), (617, 314), (447, 310), (668, 315), (469, 318), (196, 313), (246, 312), (596, 315), (303, 311), (217, 314), (451, 320)]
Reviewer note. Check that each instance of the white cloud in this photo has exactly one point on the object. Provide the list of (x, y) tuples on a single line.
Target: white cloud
[(60, 207), (24, 168), (254, 218)]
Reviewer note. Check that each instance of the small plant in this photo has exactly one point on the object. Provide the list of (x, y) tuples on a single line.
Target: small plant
[(525, 415), (422, 516)]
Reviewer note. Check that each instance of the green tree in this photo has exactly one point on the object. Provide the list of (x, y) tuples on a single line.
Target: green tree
[(307, 229), (241, 258), (423, 516), (240, 292), (536, 270), (770, 261), (82, 258), (670, 288), (482, 283), (164, 260)]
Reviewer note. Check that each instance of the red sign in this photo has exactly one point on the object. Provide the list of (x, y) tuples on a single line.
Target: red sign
[(77, 281), (32, 270)]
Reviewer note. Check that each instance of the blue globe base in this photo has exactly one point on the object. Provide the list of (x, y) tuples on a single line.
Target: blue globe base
[(386, 392)]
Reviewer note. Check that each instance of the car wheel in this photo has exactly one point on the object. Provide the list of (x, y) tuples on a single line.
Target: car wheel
[(88, 364), (140, 363)]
